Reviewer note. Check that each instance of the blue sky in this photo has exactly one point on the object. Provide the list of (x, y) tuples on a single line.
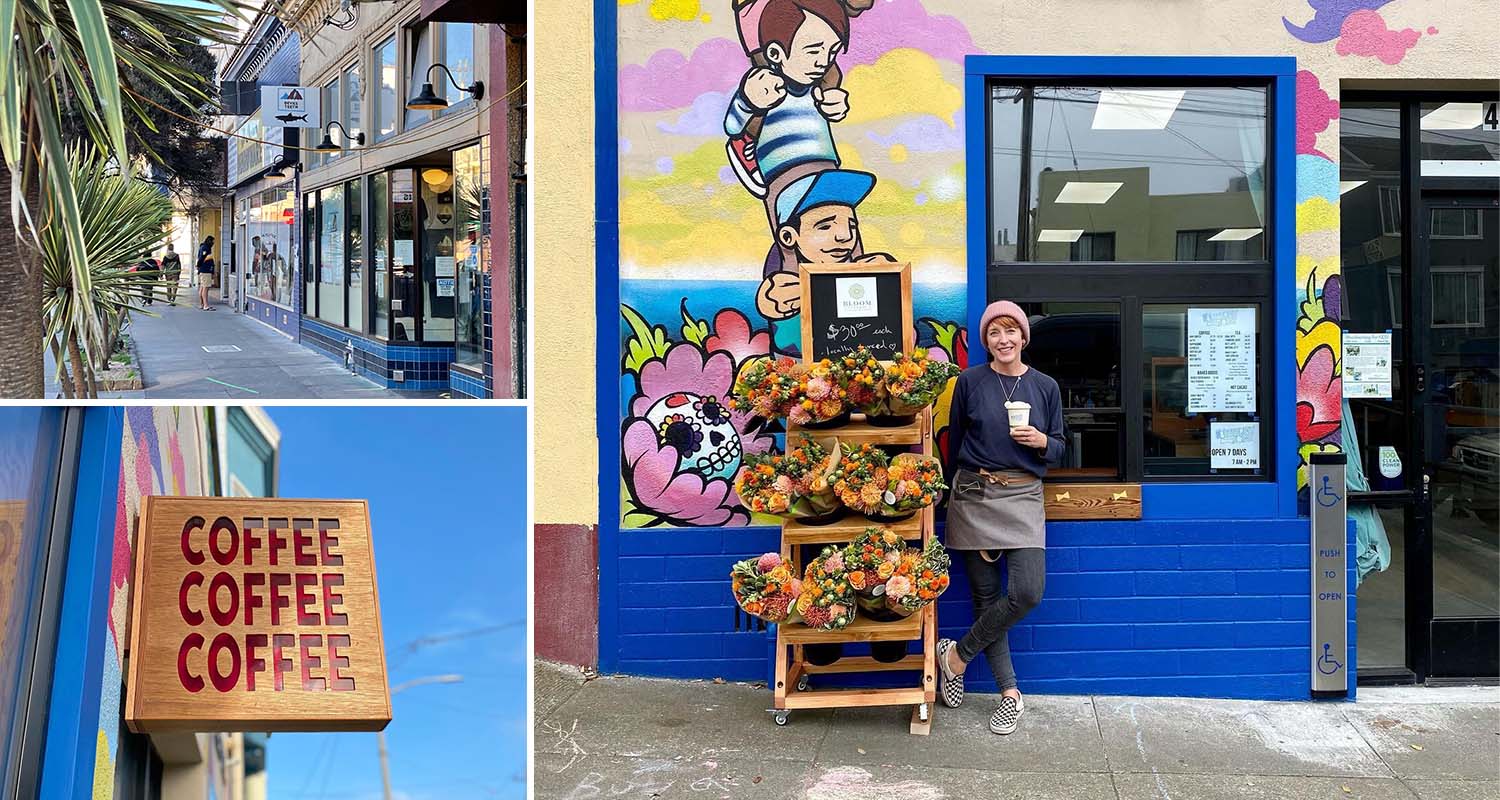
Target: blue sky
[(447, 490)]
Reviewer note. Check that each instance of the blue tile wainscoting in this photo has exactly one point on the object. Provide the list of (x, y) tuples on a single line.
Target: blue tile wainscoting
[(467, 384), (283, 319), (424, 367)]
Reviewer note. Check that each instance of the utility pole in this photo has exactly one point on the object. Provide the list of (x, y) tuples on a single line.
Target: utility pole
[(385, 760)]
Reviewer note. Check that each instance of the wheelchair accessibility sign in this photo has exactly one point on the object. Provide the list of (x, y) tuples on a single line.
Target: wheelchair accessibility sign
[(1329, 645)]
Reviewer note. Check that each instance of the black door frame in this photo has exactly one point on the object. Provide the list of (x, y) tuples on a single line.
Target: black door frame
[(1455, 641)]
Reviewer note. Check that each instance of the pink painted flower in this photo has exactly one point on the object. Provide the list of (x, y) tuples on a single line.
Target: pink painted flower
[(733, 334), (659, 488)]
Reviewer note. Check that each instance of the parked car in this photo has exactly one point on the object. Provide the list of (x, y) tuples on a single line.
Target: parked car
[(1477, 461)]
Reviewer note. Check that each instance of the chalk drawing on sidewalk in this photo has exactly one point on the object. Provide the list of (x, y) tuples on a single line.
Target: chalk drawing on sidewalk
[(566, 743), (855, 783)]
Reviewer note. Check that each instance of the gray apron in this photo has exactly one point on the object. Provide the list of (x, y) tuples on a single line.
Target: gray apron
[(991, 516)]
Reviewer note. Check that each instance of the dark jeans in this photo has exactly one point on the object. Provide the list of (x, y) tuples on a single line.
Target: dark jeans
[(995, 613)]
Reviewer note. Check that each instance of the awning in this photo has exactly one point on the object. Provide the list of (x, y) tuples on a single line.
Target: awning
[(497, 12)]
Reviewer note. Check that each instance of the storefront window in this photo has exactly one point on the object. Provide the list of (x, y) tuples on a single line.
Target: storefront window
[(253, 247), (471, 236), (458, 54), (386, 101), (331, 255), (439, 271), (1120, 181), (380, 244), (267, 242), (354, 246), (352, 113), (250, 456), (331, 106), (404, 286), (309, 253), (421, 59)]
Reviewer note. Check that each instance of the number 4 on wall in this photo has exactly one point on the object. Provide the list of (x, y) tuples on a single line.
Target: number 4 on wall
[(1492, 116)]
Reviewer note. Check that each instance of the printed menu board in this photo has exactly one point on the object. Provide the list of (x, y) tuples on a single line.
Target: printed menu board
[(1221, 359)]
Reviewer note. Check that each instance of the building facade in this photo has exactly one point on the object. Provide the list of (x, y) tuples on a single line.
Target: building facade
[(1120, 171), (71, 484)]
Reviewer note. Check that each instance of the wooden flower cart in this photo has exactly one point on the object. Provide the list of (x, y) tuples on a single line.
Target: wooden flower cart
[(793, 688)]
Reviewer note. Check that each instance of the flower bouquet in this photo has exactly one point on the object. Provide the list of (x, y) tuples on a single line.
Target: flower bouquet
[(913, 483), (913, 382), (871, 560), (766, 588), (866, 381), (767, 387), (918, 580), (820, 403), (827, 599), (792, 485), (860, 479)]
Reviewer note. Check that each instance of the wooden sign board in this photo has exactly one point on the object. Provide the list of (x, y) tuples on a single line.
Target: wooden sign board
[(255, 614), (1092, 500), (848, 305)]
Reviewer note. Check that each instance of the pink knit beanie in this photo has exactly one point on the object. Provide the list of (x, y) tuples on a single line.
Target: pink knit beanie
[(1005, 308)]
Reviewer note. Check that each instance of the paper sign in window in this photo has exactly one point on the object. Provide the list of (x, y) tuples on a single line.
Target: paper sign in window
[(1367, 365), (1234, 445), (1221, 359)]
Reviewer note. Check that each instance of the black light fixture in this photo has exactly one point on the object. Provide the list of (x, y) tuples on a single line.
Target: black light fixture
[(278, 167), (327, 145), (428, 100)]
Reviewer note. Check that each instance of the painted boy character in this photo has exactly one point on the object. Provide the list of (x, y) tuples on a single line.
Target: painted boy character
[(817, 223), (778, 121)]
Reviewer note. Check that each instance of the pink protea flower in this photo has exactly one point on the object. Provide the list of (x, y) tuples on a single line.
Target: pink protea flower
[(817, 616), (834, 563), (898, 587), (768, 562), (775, 607)]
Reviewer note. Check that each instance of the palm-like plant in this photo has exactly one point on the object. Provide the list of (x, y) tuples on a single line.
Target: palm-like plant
[(57, 55), (121, 218)]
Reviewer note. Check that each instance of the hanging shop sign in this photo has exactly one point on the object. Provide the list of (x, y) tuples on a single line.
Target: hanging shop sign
[(1221, 359), (255, 614), (290, 107), (1367, 365), (848, 305)]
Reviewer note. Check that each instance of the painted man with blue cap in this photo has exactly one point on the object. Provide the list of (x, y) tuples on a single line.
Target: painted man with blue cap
[(816, 222)]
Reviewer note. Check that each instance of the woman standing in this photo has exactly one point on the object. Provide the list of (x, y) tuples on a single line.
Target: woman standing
[(995, 512), (205, 267)]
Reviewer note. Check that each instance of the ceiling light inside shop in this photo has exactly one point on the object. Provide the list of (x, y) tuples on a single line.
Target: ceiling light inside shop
[(1088, 192), (1234, 235), (1055, 235), (1453, 117), (1444, 168), (436, 178), (1346, 186), (1136, 109)]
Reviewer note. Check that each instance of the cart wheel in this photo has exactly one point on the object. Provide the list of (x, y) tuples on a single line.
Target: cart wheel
[(924, 712), (802, 683), (781, 717)]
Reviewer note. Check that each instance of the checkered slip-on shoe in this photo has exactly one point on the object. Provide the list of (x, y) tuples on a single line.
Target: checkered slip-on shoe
[(1006, 717), (950, 686)]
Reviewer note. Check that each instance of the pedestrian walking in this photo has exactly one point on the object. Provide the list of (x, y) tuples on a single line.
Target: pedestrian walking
[(1005, 427), (205, 267), (148, 264), (171, 267)]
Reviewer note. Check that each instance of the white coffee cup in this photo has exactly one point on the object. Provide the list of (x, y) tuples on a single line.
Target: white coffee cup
[(1019, 412)]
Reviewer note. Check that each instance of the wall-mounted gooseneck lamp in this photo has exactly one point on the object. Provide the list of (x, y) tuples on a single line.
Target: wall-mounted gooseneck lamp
[(279, 167), (327, 145), (427, 99)]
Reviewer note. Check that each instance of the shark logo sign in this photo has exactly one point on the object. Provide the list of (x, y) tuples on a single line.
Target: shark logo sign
[(290, 107)]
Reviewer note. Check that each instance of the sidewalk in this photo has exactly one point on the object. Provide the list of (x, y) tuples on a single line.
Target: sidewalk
[(266, 366), (639, 738)]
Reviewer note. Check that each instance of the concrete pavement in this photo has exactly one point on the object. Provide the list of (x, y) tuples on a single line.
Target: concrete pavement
[(637, 738)]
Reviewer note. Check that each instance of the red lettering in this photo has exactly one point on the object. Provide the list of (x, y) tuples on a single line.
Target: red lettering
[(251, 543), (252, 599), (338, 682), (193, 556), (301, 542), (279, 579), (330, 580), (280, 665), (189, 616), (190, 682), (224, 558), (223, 617), (305, 598), (276, 543), (325, 541), (253, 664), (224, 682), (309, 661)]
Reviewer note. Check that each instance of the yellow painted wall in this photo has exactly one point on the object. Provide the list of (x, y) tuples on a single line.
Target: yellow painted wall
[(566, 462)]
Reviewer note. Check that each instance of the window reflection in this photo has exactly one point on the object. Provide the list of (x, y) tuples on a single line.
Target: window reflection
[(1460, 140), (386, 101), (471, 235), (331, 255), (1078, 345), (267, 243)]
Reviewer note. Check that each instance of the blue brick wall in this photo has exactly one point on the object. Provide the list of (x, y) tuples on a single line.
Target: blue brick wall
[(1211, 608), (425, 366), (284, 320)]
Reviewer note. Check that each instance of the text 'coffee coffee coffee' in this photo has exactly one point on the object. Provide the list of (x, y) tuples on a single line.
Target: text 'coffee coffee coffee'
[(255, 614)]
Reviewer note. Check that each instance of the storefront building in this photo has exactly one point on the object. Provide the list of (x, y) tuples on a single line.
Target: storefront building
[(406, 221), (1122, 171), (70, 497), (260, 274)]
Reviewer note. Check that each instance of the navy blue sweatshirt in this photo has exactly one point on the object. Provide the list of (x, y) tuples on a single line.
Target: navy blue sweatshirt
[(979, 429)]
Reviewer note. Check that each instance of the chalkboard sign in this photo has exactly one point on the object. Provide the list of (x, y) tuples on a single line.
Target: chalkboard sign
[(848, 305)]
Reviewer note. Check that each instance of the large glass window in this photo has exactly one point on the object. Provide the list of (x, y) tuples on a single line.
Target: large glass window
[(309, 253), (405, 291), (439, 266), (355, 247), (331, 108), (268, 240), (352, 112), (1121, 180), (458, 54), (331, 255), (380, 246), (385, 100), (471, 190), (419, 58)]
